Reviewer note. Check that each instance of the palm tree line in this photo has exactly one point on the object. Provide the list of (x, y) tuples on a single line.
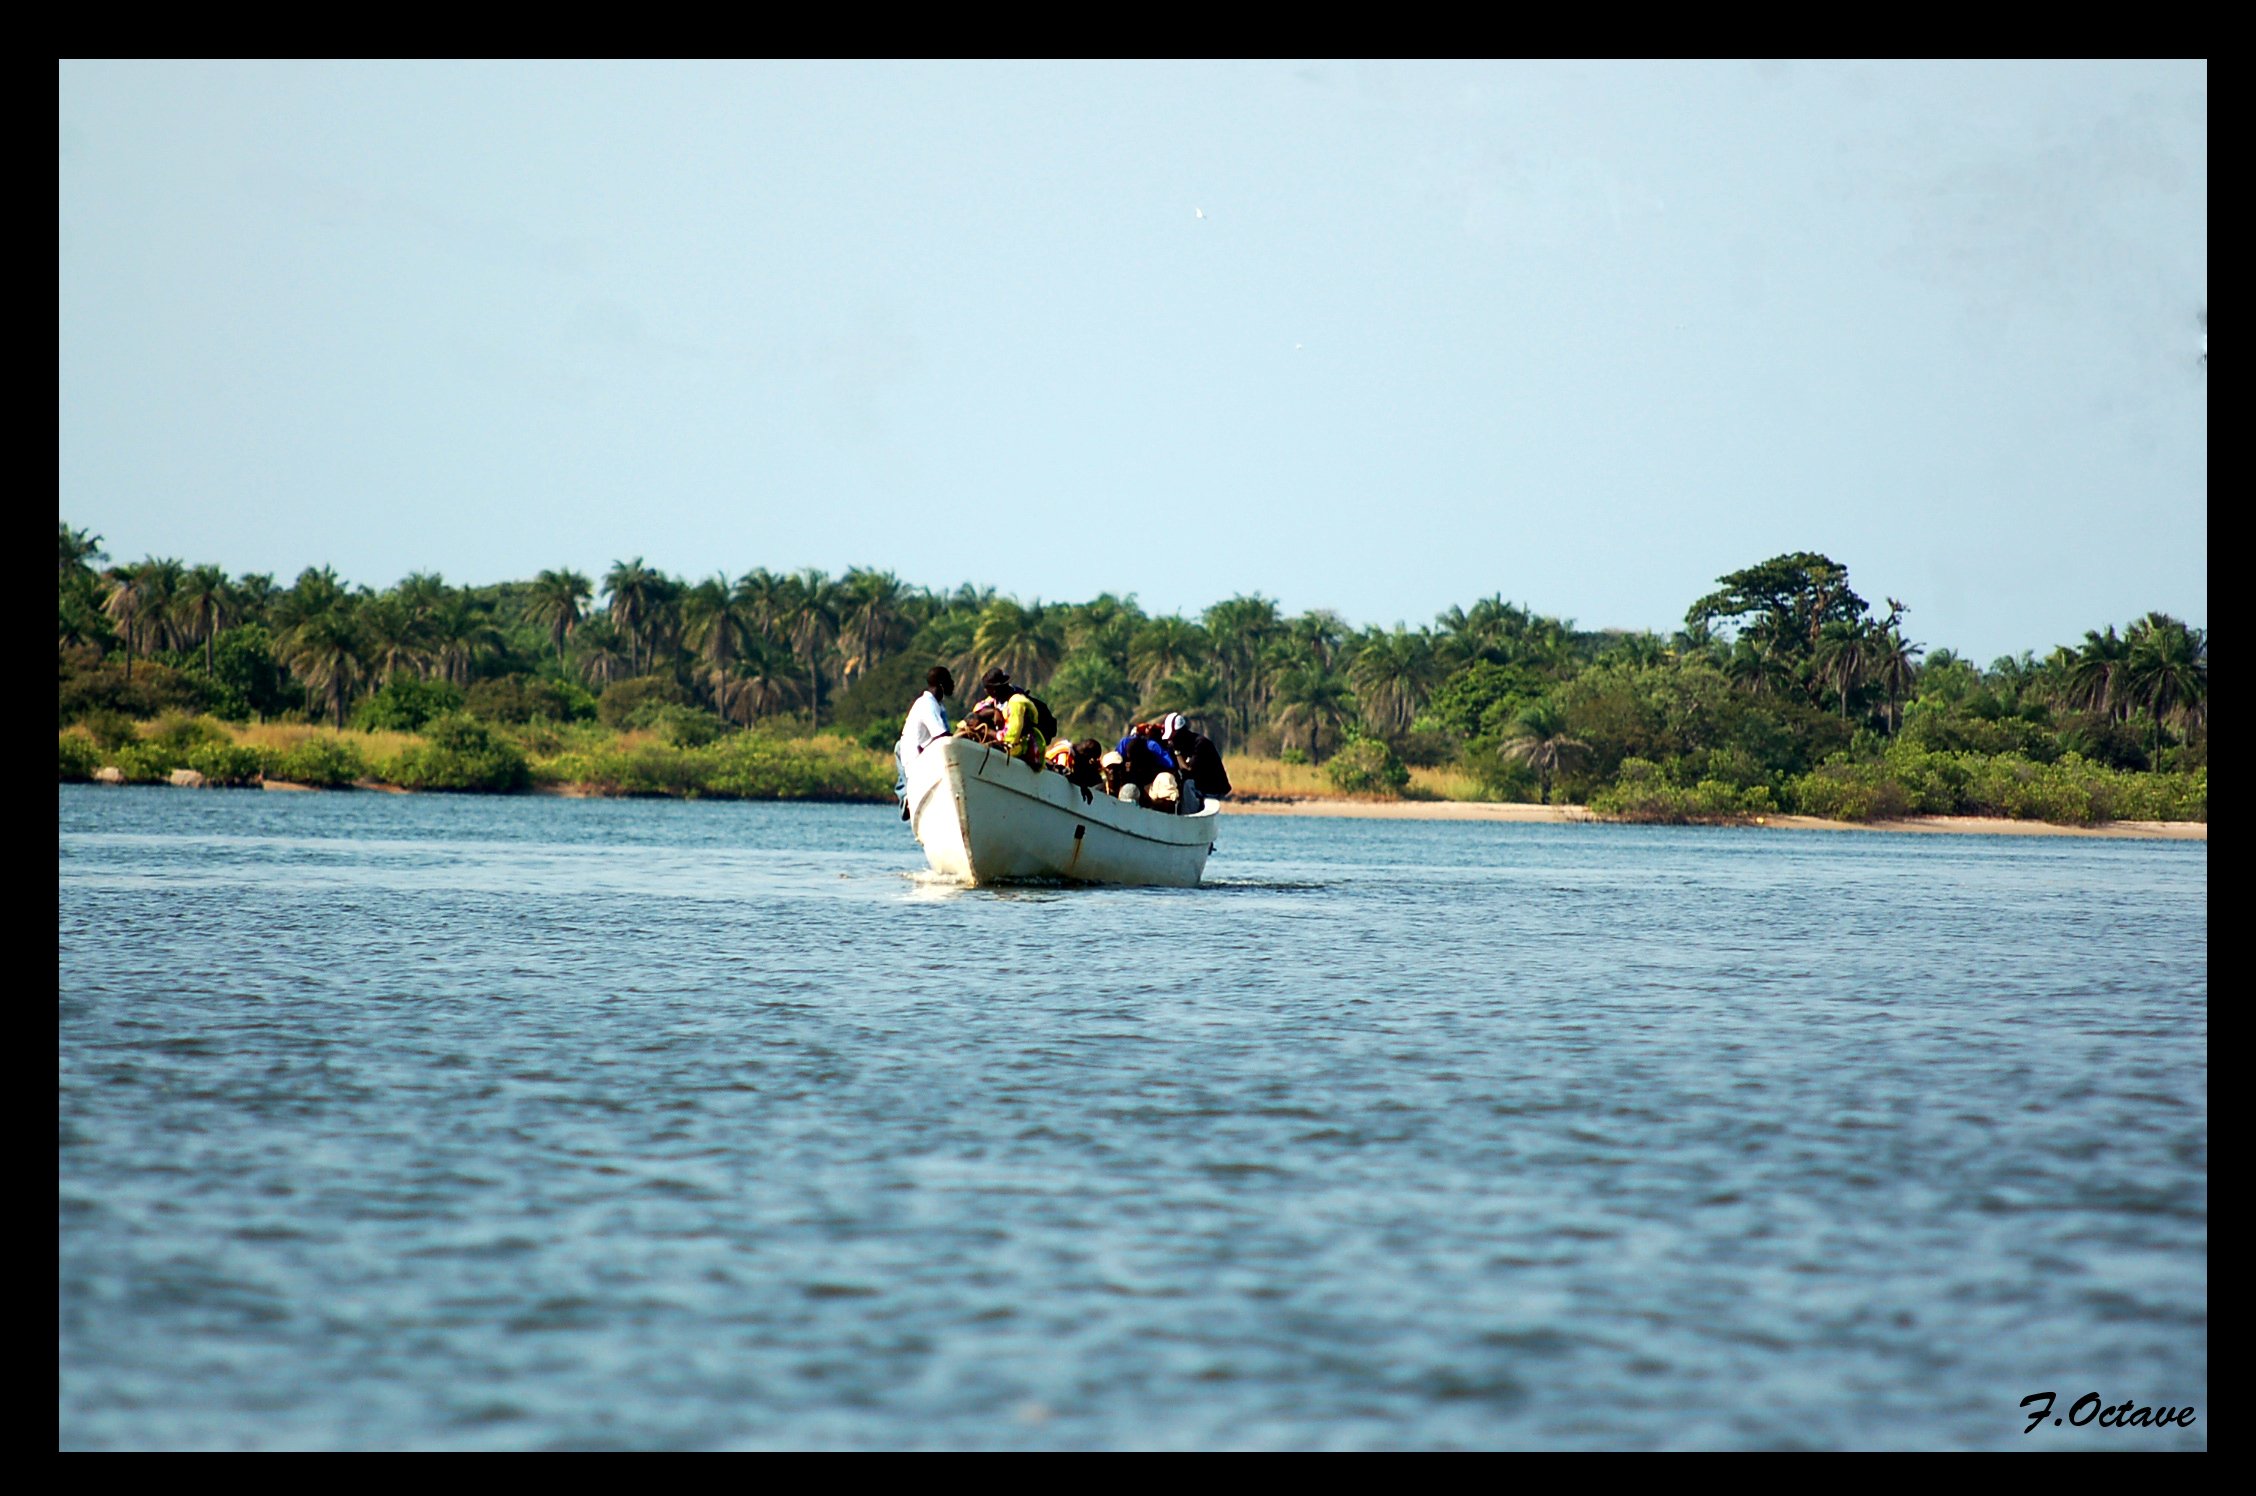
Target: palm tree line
[(794, 645)]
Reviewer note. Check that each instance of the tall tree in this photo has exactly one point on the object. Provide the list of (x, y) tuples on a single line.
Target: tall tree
[(1393, 674), (205, 604), (633, 589), (1783, 604), (873, 618), (2168, 673), (1313, 706), (1026, 641), (556, 603), (1539, 738), (1165, 646), (327, 652), (717, 625)]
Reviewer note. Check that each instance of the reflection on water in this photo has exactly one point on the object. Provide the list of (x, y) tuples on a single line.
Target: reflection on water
[(407, 1121)]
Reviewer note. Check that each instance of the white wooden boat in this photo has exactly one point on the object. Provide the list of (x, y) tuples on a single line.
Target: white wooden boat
[(986, 817)]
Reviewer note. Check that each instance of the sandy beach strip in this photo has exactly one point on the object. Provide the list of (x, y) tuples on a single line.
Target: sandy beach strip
[(1465, 810)]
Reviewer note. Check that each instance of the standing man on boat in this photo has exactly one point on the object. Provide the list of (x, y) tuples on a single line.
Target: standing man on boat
[(927, 720)]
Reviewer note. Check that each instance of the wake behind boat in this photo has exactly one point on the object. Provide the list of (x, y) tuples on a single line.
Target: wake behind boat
[(989, 818)]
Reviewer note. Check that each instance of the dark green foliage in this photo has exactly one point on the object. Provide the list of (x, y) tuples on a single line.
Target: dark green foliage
[(1425, 746), (619, 704), (1782, 686), (405, 705), (104, 688), (682, 726), (110, 730), (521, 698), (1366, 766), (1483, 698), (459, 752), (882, 694), (1782, 605), (244, 679)]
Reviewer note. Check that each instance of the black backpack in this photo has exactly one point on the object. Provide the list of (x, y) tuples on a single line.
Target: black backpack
[(1045, 720)]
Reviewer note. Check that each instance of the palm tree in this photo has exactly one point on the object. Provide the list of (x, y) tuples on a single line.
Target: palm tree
[(1393, 674), (2168, 673), (77, 550), (1199, 696), (1893, 670), (393, 637), (717, 625), (633, 590), (1024, 641), (599, 658), (1239, 629), (206, 605), (555, 603), (1844, 659), (766, 681), (2098, 674), (1089, 689), (1313, 703), (327, 653), (1539, 739), (810, 627), (126, 604), (872, 616), (461, 632), (1166, 646)]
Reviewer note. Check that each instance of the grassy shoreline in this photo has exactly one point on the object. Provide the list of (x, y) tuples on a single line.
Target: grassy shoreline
[(588, 762)]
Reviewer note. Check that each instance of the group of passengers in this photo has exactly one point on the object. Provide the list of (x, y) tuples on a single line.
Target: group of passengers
[(1161, 765)]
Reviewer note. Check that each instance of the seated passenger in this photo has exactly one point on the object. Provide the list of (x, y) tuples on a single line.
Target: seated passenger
[(982, 725), (1143, 760), (1204, 778), (1060, 757), (1088, 764)]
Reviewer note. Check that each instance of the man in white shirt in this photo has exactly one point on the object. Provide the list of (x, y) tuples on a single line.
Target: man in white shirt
[(927, 720)]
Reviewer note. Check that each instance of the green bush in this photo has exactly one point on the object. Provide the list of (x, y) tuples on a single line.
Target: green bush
[(1367, 766), (183, 733), (320, 760), (225, 763), (623, 700), (742, 766), (1843, 791), (879, 736), (110, 730), (682, 726), (80, 758), (1643, 792), (154, 688), (521, 698), (147, 763), (458, 753), (404, 705)]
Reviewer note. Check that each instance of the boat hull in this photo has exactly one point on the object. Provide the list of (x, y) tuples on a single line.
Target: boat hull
[(986, 817)]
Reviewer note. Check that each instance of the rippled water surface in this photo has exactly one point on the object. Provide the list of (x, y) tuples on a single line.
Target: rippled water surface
[(415, 1121)]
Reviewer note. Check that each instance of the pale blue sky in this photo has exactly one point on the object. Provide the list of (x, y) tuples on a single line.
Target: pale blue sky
[(1586, 335)]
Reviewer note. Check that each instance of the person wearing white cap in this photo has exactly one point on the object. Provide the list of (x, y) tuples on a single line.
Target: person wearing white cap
[(1203, 776)]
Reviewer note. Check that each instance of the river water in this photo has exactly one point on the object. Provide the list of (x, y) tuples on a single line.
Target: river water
[(418, 1121)]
